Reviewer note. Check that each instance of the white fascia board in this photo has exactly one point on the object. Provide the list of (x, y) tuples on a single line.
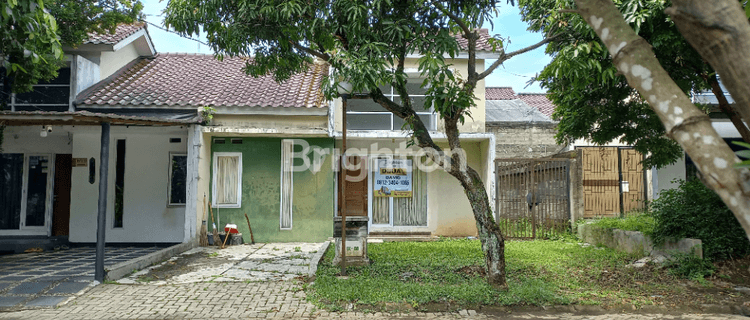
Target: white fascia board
[(463, 55), (438, 136), (133, 37), (275, 132), (280, 111)]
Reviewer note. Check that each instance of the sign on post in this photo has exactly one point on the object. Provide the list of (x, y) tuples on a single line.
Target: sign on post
[(393, 178)]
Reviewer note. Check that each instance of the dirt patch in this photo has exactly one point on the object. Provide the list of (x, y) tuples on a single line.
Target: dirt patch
[(183, 264), (660, 288), (735, 271), (472, 271)]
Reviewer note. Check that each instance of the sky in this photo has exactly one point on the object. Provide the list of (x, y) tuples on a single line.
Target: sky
[(515, 72)]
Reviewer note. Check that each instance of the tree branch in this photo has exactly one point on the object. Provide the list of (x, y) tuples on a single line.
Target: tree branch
[(504, 57), (323, 56), (461, 24), (725, 107), (690, 127), (719, 32)]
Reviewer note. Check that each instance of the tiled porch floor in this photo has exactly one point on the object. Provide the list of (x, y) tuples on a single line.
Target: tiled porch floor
[(46, 279)]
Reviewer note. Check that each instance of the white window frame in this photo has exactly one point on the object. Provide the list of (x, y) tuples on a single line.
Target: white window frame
[(12, 104), (215, 176), (286, 143), (169, 180), (392, 94)]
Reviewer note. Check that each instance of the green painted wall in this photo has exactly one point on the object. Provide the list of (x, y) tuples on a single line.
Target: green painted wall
[(313, 200)]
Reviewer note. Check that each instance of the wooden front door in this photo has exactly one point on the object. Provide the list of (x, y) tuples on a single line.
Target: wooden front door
[(61, 195), (613, 181), (634, 190), (356, 187), (601, 182)]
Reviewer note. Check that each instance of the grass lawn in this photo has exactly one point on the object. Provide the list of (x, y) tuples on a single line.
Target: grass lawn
[(450, 273)]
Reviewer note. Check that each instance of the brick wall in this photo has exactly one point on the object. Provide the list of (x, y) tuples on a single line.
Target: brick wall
[(524, 140)]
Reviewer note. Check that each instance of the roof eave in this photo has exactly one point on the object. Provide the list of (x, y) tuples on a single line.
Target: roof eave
[(464, 55)]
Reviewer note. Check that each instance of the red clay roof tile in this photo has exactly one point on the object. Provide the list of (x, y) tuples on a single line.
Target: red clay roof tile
[(177, 80), (122, 31), (499, 93), (539, 101), (482, 44), (536, 100)]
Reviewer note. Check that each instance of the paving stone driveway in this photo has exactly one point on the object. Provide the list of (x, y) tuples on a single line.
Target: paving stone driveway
[(49, 278), (248, 263)]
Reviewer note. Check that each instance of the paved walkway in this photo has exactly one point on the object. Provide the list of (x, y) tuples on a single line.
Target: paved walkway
[(49, 278), (239, 300)]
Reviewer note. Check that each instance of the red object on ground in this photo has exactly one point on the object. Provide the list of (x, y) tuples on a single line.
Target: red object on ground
[(231, 228)]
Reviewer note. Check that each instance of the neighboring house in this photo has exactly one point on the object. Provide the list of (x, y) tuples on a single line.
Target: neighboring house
[(606, 181), (522, 124), (49, 168)]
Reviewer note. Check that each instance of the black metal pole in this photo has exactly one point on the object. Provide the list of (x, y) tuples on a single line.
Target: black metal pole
[(101, 220)]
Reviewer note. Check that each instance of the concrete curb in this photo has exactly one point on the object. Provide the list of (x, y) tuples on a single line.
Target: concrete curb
[(316, 260), (122, 269)]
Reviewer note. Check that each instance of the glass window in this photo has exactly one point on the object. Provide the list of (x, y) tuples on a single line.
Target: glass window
[(11, 186), (227, 182), (177, 179), (36, 198), (119, 182), (53, 95), (364, 114), (402, 211)]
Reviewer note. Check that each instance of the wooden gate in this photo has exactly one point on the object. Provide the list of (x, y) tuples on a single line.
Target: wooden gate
[(532, 197), (613, 181)]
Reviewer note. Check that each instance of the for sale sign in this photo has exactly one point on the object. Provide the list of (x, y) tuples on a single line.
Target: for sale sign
[(392, 178)]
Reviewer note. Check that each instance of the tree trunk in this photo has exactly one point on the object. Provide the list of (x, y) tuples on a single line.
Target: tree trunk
[(683, 122), (719, 32), (493, 242)]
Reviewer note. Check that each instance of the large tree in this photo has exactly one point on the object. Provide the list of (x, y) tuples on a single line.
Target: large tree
[(367, 43), (593, 98), (719, 31)]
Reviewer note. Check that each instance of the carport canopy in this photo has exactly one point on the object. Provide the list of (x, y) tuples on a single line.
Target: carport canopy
[(86, 118)]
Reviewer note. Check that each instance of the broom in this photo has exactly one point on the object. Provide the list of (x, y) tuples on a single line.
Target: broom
[(204, 232), (217, 240)]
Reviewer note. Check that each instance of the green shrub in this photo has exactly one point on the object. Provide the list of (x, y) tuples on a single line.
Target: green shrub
[(689, 266), (694, 211), (643, 222)]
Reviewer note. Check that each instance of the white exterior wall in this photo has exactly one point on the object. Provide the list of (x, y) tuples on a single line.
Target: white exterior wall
[(87, 73), (28, 140), (667, 174), (113, 61), (146, 218)]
